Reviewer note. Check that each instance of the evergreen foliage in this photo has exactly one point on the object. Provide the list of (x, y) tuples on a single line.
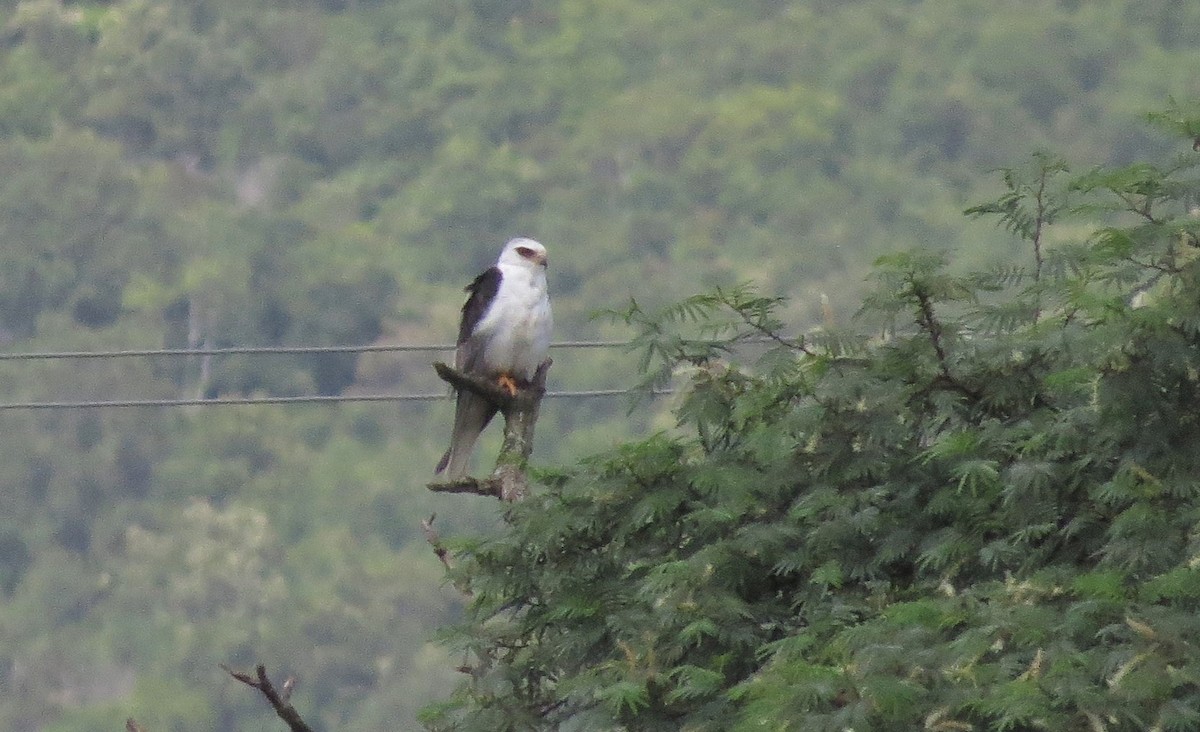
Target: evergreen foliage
[(977, 509)]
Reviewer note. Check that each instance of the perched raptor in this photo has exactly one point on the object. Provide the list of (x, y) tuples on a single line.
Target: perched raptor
[(504, 334)]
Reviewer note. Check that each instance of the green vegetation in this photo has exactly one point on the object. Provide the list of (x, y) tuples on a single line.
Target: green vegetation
[(984, 518), (217, 173)]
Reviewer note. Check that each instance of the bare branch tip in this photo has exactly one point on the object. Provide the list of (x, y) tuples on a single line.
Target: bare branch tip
[(427, 526), (279, 702), (246, 679)]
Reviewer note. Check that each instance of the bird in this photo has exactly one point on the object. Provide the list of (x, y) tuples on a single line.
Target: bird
[(504, 335)]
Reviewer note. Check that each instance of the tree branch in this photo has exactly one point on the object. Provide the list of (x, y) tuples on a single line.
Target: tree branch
[(435, 541), (279, 701), (467, 484), (929, 322), (484, 387), (443, 554), (508, 481)]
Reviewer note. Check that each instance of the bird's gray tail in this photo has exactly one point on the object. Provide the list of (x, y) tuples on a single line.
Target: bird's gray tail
[(471, 414)]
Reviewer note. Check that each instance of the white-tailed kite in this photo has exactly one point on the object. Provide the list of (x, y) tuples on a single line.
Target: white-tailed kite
[(504, 334)]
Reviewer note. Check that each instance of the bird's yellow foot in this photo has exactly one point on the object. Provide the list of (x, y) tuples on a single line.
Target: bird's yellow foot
[(508, 383)]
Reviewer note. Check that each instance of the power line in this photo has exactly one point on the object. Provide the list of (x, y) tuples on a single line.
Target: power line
[(275, 350), (280, 350), (289, 350), (307, 399)]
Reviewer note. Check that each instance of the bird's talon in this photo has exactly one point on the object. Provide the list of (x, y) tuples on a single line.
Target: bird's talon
[(507, 383)]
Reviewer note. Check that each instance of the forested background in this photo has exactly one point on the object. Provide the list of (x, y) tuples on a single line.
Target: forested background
[(215, 173)]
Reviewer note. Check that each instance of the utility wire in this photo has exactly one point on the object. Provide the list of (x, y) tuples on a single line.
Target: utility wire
[(258, 350), (275, 350), (308, 399), (278, 350)]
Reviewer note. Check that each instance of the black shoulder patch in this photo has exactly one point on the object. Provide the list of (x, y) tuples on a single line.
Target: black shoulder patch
[(482, 290)]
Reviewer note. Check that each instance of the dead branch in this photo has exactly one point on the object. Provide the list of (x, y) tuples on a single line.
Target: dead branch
[(443, 554), (467, 484), (484, 387), (279, 701), (435, 541), (508, 481)]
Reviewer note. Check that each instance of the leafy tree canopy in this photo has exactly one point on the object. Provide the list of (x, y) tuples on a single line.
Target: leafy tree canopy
[(976, 508)]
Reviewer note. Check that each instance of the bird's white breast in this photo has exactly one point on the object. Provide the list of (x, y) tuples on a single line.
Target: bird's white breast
[(517, 326)]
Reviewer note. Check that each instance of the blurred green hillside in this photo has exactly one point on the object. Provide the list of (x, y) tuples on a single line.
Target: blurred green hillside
[(212, 173)]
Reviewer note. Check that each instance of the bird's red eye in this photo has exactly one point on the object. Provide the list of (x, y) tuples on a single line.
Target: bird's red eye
[(526, 252)]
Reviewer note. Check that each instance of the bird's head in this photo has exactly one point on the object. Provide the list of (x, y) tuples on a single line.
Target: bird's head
[(524, 252)]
